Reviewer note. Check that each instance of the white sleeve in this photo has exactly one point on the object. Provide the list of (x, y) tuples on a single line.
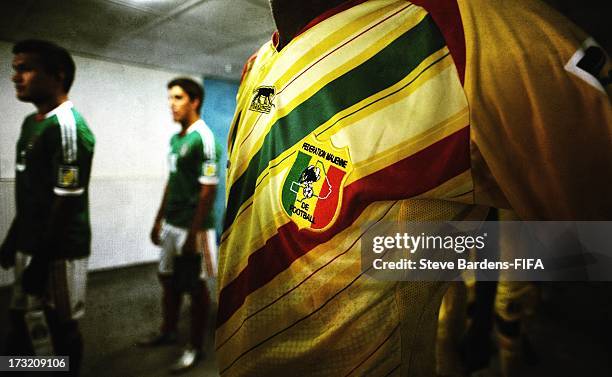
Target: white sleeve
[(210, 171)]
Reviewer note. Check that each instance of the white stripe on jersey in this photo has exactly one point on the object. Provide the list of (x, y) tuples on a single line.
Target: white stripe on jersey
[(208, 139), (572, 65), (67, 123), (68, 192)]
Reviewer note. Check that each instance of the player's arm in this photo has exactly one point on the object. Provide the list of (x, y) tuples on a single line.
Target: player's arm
[(155, 231), (541, 120), (205, 205), (34, 278), (57, 222), (71, 157), (71, 154), (208, 180), (9, 247)]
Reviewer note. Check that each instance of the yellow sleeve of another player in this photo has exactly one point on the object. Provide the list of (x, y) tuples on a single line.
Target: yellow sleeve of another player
[(541, 119)]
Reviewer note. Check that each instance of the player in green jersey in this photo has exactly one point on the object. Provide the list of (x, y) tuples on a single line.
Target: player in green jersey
[(49, 240), (185, 221)]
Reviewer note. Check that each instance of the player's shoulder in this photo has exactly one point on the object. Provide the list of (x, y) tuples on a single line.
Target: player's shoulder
[(201, 131), (79, 119), (201, 127), (203, 139), (29, 120), (529, 20), (66, 115), (30, 117), (83, 130), (255, 60), (174, 138), (535, 38), (246, 69)]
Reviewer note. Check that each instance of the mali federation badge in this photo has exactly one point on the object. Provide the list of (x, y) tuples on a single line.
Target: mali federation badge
[(312, 191)]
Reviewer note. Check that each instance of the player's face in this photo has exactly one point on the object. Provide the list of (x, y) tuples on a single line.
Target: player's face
[(181, 105), (32, 82)]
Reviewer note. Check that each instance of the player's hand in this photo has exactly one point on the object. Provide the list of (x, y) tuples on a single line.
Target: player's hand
[(35, 275), (7, 254), (8, 249), (190, 245), (155, 233), (7, 257)]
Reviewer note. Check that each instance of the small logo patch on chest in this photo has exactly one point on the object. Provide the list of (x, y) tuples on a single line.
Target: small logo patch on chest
[(262, 99), (184, 149)]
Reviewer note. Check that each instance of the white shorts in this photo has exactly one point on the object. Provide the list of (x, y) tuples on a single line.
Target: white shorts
[(172, 241), (65, 291)]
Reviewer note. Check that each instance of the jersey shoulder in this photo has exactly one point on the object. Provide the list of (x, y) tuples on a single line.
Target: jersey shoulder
[(250, 70), (203, 138), (84, 133)]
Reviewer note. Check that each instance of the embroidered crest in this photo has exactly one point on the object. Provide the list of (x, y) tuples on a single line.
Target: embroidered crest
[(209, 169), (184, 150), (311, 194), (262, 99), (68, 176)]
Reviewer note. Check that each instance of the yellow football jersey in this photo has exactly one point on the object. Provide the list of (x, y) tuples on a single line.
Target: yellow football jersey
[(392, 111)]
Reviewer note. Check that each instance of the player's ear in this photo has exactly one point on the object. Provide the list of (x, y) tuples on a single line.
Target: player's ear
[(196, 104), (60, 76)]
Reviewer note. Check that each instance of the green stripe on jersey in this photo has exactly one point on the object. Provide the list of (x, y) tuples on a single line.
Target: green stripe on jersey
[(301, 163), (399, 59)]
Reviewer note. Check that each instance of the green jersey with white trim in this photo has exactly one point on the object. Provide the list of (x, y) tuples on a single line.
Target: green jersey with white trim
[(193, 161), (54, 155)]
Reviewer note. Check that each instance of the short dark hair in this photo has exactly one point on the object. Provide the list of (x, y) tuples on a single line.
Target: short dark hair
[(191, 87), (54, 59)]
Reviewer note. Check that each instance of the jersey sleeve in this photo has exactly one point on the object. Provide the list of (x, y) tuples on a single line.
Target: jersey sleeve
[(541, 121), (72, 157), (210, 162)]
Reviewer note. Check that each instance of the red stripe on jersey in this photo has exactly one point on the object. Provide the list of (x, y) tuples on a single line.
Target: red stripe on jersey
[(446, 15), (404, 179), (247, 66), (326, 208)]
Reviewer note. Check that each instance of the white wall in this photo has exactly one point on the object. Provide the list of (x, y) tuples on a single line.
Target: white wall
[(126, 109)]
